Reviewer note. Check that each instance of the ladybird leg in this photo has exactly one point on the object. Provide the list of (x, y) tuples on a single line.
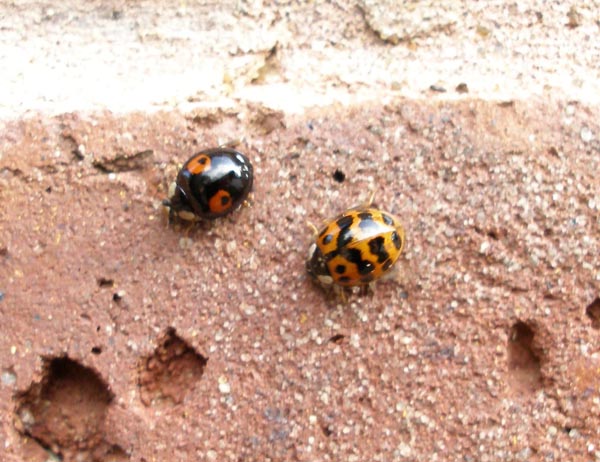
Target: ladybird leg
[(166, 209), (392, 274), (371, 287), (189, 225), (402, 274), (340, 293), (365, 289), (168, 212), (232, 143), (170, 215)]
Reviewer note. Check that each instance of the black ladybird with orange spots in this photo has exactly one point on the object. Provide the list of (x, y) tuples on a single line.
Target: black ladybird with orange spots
[(211, 184), (355, 248)]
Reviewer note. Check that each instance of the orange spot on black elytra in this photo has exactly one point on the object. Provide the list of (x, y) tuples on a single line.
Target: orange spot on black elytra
[(220, 202), (198, 164)]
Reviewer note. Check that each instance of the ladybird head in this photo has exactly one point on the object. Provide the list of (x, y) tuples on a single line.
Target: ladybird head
[(178, 204), (316, 267)]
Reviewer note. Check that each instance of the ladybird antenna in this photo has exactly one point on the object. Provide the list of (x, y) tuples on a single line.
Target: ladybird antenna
[(371, 197), (312, 227), (369, 201)]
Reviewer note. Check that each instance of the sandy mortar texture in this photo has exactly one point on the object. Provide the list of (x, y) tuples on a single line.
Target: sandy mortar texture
[(124, 338)]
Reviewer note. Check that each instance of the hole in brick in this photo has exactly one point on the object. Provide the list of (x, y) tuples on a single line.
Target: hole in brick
[(115, 454), (96, 350), (337, 338), (105, 282), (170, 372), (593, 312), (493, 234), (524, 365), (339, 176), (64, 413)]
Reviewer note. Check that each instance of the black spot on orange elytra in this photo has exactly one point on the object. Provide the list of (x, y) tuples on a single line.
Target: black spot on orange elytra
[(396, 240), (377, 248), (220, 201)]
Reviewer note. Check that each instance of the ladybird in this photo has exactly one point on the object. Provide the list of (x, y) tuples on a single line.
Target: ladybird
[(355, 248), (212, 183)]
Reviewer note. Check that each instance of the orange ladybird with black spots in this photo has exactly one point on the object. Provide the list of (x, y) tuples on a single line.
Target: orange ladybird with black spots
[(212, 183), (355, 248)]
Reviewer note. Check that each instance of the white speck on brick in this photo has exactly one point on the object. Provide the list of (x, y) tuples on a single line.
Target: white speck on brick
[(586, 134), (224, 387)]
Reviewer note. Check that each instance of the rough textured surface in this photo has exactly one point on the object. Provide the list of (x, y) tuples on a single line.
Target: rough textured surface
[(151, 55), (482, 346), (209, 342)]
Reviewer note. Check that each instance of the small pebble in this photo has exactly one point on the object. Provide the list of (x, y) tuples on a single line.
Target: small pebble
[(8, 378), (230, 247), (224, 386), (185, 243), (27, 418), (404, 450), (525, 454), (586, 135)]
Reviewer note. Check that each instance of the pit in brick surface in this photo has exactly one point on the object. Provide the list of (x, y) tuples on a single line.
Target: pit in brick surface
[(170, 372), (524, 370), (593, 312), (115, 454), (65, 412)]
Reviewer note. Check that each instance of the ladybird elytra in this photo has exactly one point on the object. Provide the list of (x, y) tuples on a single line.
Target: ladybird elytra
[(211, 184), (356, 248)]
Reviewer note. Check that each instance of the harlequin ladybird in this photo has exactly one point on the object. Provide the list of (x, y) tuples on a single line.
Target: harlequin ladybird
[(355, 248), (210, 184)]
